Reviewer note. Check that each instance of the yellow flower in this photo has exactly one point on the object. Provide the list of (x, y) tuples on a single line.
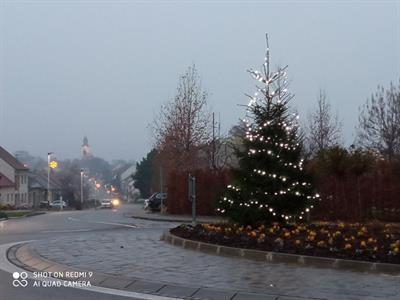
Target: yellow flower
[(253, 234), (347, 246), (313, 233)]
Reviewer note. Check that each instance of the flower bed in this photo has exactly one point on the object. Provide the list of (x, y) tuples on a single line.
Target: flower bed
[(364, 242)]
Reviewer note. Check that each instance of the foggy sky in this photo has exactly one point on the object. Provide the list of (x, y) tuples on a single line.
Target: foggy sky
[(102, 68)]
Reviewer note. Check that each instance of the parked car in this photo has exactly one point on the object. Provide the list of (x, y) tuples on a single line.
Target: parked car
[(155, 201), (23, 207), (44, 204), (58, 203)]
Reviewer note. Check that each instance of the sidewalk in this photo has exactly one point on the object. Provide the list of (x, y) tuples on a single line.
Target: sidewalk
[(139, 213)]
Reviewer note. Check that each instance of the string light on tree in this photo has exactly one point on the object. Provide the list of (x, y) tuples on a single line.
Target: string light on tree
[(270, 183)]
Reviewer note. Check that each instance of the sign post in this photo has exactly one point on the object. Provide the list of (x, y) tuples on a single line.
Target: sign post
[(192, 196)]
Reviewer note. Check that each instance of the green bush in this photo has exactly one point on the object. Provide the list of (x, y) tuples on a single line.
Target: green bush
[(3, 215), (6, 207)]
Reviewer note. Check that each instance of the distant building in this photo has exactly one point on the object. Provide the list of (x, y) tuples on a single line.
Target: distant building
[(86, 151), (13, 181), (38, 189), (123, 179)]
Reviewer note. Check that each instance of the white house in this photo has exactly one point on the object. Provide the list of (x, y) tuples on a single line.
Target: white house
[(126, 181), (13, 181)]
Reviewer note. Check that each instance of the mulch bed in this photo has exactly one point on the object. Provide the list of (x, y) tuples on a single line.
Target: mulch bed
[(364, 242)]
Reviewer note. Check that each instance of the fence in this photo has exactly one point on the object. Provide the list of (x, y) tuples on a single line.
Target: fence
[(209, 186), (349, 198), (352, 198)]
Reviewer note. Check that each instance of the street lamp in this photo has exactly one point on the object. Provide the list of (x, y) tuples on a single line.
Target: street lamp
[(48, 177), (82, 173)]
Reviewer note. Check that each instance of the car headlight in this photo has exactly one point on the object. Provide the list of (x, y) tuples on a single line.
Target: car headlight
[(115, 201)]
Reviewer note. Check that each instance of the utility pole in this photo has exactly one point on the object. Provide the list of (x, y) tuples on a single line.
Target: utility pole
[(213, 142), (161, 180), (161, 190)]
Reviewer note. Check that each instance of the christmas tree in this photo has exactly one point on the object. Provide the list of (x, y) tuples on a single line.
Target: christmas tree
[(270, 183)]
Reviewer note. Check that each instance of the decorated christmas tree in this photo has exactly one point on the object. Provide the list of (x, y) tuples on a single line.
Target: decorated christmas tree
[(270, 183)]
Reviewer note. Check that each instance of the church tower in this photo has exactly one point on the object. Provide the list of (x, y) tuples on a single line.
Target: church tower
[(85, 149)]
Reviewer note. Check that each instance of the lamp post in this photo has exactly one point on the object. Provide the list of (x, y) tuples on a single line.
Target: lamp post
[(82, 172), (48, 177)]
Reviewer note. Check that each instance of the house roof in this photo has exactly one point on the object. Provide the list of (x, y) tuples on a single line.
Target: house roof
[(37, 180), (11, 160), (128, 172), (5, 182)]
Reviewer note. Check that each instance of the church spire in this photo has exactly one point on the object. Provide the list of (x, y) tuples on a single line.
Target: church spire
[(85, 141), (85, 149)]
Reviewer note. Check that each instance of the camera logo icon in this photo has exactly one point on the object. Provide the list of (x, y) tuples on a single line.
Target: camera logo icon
[(20, 279)]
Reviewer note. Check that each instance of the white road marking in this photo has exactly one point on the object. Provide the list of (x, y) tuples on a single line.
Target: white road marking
[(5, 265), (106, 223), (66, 231), (117, 224)]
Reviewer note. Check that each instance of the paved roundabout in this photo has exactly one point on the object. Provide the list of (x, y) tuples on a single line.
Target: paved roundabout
[(141, 254), (128, 255)]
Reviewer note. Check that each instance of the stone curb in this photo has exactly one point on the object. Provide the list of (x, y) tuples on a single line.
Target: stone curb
[(178, 220), (25, 257), (35, 213), (28, 215), (275, 257), (31, 214)]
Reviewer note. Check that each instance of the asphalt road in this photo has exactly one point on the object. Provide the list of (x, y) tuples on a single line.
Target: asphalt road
[(56, 224)]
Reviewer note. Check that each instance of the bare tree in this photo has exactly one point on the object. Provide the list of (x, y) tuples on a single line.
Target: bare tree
[(324, 127), (183, 125), (379, 122), (218, 150)]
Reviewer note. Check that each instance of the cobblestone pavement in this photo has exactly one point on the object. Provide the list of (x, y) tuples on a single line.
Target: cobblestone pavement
[(138, 252)]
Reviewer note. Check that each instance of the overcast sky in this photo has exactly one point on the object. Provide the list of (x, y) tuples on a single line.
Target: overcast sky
[(102, 68)]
